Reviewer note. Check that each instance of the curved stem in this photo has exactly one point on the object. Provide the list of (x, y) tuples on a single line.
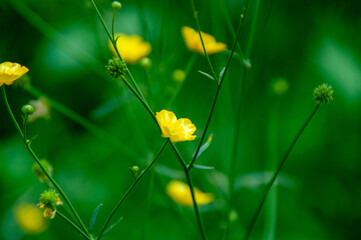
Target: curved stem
[(191, 187), (131, 188), (27, 144), (73, 225), (111, 38), (200, 35), (233, 162), (216, 96), (275, 175)]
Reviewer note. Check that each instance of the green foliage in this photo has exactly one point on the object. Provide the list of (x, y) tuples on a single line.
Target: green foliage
[(303, 43)]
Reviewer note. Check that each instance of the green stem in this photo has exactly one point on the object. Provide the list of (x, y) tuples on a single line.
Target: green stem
[(27, 144), (74, 226), (92, 128), (115, 47), (142, 100), (200, 35), (216, 96), (253, 28), (275, 175), (131, 188), (191, 187), (233, 162), (270, 218), (113, 18)]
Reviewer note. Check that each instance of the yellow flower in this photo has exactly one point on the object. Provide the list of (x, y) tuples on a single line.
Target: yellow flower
[(181, 194), (193, 42), (131, 48), (9, 72), (29, 218), (177, 130)]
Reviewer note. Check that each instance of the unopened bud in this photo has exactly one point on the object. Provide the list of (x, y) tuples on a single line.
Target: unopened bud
[(135, 170), (27, 110), (116, 5)]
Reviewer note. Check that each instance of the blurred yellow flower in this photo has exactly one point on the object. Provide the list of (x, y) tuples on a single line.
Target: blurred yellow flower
[(131, 48), (42, 109), (177, 130), (29, 218), (181, 194), (193, 42), (9, 72)]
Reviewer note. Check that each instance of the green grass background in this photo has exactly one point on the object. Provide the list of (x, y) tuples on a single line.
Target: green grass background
[(305, 42)]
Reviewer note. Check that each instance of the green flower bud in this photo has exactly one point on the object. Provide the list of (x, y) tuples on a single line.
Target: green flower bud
[(323, 94), (27, 110), (116, 5), (116, 68), (39, 172), (49, 200), (146, 63), (135, 170)]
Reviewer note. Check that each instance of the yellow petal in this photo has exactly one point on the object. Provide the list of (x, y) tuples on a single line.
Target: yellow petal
[(181, 194), (194, 43), (131, 48), (30, 218), (9, 72)]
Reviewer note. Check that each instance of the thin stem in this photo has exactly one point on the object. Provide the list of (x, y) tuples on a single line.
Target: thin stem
[(73, 225), (275, 175), (113, 18), (131, 188), (191, 187), (111, 38), (142, 100), (27, 144), (233, 162), (91, 127), (253, 28), (200, 35), (216, 96)]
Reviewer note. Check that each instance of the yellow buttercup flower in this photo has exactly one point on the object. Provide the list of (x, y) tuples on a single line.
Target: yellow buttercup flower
[(30, 218), (193, 42), (9, 72), (131, 48), (177, 130), (181, 194)]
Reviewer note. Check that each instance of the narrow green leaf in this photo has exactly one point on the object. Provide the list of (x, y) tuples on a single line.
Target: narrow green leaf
[(112, 226), (94, 216), (206, 74), (202, 167)]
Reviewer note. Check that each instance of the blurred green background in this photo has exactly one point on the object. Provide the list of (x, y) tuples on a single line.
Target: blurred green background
[(304, 42)]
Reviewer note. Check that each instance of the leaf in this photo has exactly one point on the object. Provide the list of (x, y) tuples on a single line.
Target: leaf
[(204, 146), (112, 226), (94, 216), (206, 74), (202, 167)]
